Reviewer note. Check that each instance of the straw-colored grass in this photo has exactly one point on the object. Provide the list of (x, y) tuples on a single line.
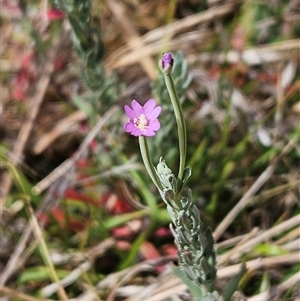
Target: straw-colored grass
[(241, 103)]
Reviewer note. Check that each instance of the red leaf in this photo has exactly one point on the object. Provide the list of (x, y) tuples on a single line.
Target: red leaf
[(54, 14)]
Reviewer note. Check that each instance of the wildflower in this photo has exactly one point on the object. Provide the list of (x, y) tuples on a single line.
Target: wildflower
[(142, 119), (166, 62)]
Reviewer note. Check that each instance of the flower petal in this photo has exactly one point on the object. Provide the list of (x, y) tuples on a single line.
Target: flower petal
[(154, 113), (137, 108), (136, 132), (148, 132), (129, 112), (149, 106), (128, 127), (131, 128), (154, 125)]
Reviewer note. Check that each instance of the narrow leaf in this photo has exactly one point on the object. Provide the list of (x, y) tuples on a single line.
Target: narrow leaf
[(233, 283), (194, 289)]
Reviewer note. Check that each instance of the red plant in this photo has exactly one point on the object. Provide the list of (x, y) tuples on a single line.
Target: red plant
[(23, 79), (54, 14)]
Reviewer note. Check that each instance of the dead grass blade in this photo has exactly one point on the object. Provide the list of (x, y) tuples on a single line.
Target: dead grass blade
[(12, 293), (158, 35), (268, 53), (69, 163), (252, 190), (61, 127), (130, 34)]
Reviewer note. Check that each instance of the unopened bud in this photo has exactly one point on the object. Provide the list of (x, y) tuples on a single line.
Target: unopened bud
[(166, 63)]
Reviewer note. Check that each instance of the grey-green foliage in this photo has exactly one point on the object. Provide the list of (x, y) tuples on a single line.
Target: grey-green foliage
[(197, 256), (196, 252), (166, 176), (88, 44), (195, 290), (195, 243)]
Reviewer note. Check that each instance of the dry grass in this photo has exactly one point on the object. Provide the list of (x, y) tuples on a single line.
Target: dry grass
[(242, 109)]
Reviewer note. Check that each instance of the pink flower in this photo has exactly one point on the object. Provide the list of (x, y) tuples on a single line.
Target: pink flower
[(142, 119)]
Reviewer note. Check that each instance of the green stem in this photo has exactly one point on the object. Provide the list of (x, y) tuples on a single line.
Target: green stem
[(180, 122), (147, 162)]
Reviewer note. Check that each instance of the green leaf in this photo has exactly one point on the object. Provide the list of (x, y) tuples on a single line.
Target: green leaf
[(114, 221), (269, 250), (86, 107), (194, 289), (39, 274), (19, 179), (165, 175), (118, 220), (233, 283), (186, 175), (210, 242), (134, 251), (228, 169), (163, 216)]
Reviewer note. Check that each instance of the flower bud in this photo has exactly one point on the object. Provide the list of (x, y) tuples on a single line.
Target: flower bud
[(166, 63)]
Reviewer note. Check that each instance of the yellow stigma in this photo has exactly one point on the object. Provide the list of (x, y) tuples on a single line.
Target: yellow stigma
[(141, 123)]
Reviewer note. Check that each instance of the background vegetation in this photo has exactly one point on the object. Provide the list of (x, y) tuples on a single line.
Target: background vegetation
[(80, 219)]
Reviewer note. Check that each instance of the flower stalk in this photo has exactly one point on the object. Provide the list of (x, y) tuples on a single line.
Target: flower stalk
[(166, 65), (148, 163)]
